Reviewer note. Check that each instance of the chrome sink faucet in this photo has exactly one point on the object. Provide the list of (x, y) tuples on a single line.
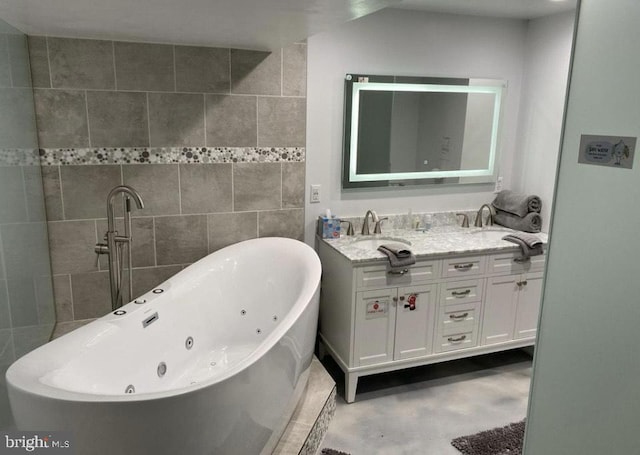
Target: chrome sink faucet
[(365, 222), (374, 217), (489, 221)]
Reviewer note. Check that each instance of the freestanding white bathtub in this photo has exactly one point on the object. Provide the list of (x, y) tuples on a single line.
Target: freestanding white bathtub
[(213, 361)]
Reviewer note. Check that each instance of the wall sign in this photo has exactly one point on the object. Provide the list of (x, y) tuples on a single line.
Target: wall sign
[(612, 151)]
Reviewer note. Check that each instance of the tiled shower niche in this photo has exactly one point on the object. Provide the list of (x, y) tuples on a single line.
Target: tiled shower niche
[(212, 138)]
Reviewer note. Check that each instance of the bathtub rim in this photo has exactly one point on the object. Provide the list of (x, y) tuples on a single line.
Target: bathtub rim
[(22, 376)]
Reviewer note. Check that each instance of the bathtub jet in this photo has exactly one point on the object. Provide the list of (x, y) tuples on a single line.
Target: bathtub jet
[(212, 361)]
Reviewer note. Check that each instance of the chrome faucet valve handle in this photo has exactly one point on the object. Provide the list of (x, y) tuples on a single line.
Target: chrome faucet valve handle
[(489, 220), (365, 227), (349, 228), (465, 219), (100, 248), (377, 229)]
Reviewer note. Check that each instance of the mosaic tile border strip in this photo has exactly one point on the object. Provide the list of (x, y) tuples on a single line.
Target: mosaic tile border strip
[(170, 155), (320, 428), (19, 157)]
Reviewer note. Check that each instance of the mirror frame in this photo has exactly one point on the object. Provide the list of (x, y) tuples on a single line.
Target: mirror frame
[(357, 83)]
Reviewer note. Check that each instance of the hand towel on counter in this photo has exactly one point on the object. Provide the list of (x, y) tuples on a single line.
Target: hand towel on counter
[(531, 222), (530, 244), (517, 203), (398, 255)]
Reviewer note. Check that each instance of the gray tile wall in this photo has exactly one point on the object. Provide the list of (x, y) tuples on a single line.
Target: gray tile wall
[(95, 94)]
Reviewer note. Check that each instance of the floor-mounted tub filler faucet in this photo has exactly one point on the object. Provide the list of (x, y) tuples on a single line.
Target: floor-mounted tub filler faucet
[(115, 242)]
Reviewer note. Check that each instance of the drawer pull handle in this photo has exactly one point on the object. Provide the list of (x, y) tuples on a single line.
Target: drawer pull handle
[(458, 317), (522, 260), (461, 293), (457, 340), (463, 267), (398, 272)]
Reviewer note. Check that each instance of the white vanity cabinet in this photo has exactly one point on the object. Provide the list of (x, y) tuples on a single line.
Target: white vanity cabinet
[(374, 319)]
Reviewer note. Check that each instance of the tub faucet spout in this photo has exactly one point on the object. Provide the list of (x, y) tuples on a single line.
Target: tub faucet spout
[(115, 242)]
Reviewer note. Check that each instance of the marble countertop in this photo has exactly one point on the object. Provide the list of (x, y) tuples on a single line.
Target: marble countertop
[(430, 244)]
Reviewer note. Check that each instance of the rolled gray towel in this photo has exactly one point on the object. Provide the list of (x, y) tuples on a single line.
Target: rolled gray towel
[(517, 203), (531, 222), (398, 256)]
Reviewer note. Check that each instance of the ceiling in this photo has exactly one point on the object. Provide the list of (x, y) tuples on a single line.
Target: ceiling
[(248, 24), (517, 9)]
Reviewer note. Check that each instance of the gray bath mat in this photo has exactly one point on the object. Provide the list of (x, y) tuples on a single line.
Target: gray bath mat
[(499, 441), (332, 452)]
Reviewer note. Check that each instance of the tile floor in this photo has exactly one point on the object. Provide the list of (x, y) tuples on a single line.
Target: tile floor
[(418, 411)]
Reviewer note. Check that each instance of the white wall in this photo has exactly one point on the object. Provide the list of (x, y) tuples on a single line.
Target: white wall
[(546, 69), (585, 397), (404, 43)]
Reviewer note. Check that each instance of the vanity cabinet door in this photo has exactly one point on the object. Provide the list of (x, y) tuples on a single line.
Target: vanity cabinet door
[(375, 322), (529, 296), (500, 309), (415, 318), (511, 307)]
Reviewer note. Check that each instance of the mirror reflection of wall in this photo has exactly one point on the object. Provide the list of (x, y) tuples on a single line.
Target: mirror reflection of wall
[(374, 133)]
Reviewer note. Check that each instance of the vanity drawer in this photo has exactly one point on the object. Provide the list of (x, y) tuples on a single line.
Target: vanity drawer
[(505, 263), (456, 319), (456, 341), (381, 275), (454, 292), (464, 266)]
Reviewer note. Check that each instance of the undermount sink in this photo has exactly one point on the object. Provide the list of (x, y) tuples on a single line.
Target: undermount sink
[(373, 244), (490, 233)]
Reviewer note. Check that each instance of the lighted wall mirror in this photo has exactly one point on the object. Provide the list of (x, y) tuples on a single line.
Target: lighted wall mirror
[(420, 130)]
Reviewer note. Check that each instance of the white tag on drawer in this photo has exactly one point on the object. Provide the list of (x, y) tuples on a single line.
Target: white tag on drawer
[(377, 308)]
